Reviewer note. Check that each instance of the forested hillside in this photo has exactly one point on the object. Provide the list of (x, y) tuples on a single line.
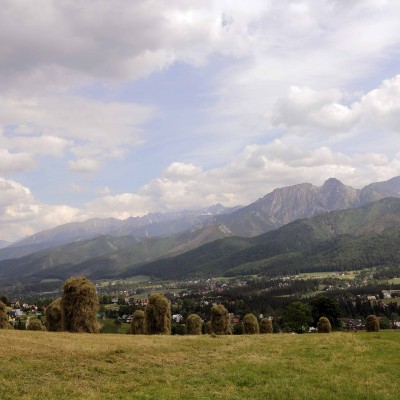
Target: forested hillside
[(338, 240)]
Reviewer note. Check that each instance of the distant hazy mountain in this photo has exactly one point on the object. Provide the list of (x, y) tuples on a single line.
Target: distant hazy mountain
[(305, 200), (150, 225), (379, 190), (103, 256), (68, 254)]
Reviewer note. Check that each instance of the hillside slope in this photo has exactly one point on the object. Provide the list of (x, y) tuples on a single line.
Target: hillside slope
[(345, 239), (103, 256)]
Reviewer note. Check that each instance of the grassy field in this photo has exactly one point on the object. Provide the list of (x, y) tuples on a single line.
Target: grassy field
[(108, 326), (45, 365), (338, 275)]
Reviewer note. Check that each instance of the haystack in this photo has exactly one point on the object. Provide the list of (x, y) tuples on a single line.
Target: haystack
[(193, 324), (35, 325), (137, 324), (79, 306), (220, 320), (54, 316), (250, 324), (266, 326), (158, 315)]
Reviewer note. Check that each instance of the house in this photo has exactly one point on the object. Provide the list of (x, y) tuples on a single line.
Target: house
[(178, 318), (16, 313), (388, 294), (142, 302), (352, 324)]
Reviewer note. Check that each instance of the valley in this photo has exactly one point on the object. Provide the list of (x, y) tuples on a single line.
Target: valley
[(350, 255)]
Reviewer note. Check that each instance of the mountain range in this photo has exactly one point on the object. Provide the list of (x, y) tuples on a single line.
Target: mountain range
[(338, 240), (102, 248)]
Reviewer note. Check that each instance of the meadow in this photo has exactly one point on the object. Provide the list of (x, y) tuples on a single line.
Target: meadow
[(341, 365)]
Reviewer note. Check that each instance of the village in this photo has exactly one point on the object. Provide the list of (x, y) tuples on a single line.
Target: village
[(119, 299)]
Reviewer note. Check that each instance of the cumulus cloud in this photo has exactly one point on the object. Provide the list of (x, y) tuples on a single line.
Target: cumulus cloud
[(15, 162), (182, 170), (320, 50), (58, 40), (323, 110), (83, 165), (313, 109), (88, 128), (21, 214)]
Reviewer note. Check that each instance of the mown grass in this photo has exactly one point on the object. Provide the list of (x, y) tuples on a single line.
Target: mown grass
[(108, 326), (45, 365)]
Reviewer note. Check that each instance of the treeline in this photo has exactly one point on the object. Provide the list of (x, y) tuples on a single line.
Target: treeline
[(343, 253), (280, 255)]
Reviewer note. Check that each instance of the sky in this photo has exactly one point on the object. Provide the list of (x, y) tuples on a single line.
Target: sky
[(118, 109)]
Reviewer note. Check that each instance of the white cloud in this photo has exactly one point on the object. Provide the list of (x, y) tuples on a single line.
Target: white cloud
[(59, 40), (182, 170), (21, 214), (15, 162), (83, 165), (120, 206), (88, 128), (313, 110), (327, 48)]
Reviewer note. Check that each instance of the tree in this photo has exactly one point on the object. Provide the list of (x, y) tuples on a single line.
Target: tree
[(118, 324), (79, 306), (4, 324), (178, 329), (35, 325), (20, 325), (193, 324), (220, 320), (250, 324), (298, 316), (323, 306), (137, 324), (54, 316), (372, 324), (384, 323), (157, 319), (238, 329), (324, 325), (266, 326)]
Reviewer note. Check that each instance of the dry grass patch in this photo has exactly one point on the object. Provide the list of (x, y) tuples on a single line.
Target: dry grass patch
[(48, 365)]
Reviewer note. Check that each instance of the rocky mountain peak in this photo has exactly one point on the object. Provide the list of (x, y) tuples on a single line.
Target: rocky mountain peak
[(332, 183)]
